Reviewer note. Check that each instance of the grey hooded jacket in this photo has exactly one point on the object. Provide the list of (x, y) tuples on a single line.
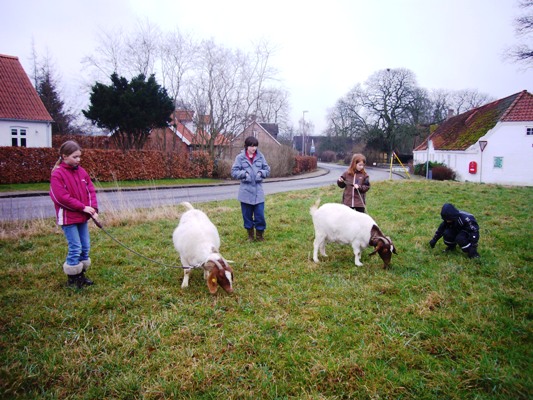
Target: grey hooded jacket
[(251, 177)]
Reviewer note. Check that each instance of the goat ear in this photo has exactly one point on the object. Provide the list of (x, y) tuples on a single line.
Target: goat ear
[(212, 282), (377, 248)]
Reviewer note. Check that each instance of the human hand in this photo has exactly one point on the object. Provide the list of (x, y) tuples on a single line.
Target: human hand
[(432, 243), (89, 210)]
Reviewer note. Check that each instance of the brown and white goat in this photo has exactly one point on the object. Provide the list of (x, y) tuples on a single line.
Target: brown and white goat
[(197, 241), (340, 224)]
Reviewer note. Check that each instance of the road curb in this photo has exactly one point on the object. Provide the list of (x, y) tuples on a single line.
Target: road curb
[(314, 174)]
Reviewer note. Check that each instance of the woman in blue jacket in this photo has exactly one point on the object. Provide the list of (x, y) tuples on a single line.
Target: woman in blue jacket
[(251, 167)]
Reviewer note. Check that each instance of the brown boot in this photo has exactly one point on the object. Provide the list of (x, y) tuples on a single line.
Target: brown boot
[(250, 234), (260, 237)]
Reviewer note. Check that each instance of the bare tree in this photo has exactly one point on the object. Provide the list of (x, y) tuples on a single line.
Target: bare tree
[(142, 49), (108, 57), (523, 52), (273, 107), (125, 54), (178, 53), (348, 117), (464, 100)]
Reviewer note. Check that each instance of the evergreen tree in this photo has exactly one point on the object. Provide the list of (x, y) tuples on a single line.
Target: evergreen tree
[(47, 89), (130, 110)]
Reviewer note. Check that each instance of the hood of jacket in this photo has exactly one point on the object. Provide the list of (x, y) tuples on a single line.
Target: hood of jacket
[(449, 212)]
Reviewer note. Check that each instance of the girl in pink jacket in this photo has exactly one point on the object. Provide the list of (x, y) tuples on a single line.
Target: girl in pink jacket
[(74, 197)]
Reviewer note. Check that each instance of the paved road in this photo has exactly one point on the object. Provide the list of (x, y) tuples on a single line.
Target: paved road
[(39, 205)]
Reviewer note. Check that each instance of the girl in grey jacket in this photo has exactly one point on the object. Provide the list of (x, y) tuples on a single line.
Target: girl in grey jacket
[(251, 167)]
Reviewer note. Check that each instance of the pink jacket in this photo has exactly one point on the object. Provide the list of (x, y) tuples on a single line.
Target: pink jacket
[(71, 189)]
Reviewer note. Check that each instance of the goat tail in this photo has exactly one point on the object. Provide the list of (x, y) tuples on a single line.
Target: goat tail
[(187, 205), (314, 207)]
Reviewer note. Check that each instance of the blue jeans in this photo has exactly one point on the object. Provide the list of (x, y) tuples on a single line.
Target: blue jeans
[(254, 216), (79, 242)]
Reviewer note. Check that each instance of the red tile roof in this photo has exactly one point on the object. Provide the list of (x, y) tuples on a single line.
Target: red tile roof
[(18, 98), (463, 130)]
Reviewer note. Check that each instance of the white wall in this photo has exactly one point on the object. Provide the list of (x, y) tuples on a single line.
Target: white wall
[(509, 142), (38, 134)]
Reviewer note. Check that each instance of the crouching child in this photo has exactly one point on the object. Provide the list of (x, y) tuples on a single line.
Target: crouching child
[(457, 228)]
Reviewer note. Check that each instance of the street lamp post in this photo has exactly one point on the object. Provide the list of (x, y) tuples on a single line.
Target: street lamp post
[(482, 145), (303, 132)]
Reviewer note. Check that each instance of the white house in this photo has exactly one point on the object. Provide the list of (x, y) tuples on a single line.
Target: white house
[(490, 144), (24, 120)]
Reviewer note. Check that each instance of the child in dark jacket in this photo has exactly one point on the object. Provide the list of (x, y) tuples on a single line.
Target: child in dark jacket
[(355, 182), (457, 228), (74, 197)]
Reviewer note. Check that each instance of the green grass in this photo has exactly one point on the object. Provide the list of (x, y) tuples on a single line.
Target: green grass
[(435, 326), (45, 186)]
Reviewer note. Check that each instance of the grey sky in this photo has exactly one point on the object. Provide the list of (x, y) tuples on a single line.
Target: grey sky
[(324, 47)]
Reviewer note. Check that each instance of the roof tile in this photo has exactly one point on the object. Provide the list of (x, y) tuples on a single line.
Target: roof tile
[(18, 98)]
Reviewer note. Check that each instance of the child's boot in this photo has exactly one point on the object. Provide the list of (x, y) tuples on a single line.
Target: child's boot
[(250, 234), (86, 264), (74, 274)]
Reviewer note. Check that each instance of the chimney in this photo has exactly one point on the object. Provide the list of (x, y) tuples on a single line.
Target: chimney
[(450, 113)]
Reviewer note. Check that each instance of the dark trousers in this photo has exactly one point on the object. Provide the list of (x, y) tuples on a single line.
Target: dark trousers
[(253, 216), (452, 237)]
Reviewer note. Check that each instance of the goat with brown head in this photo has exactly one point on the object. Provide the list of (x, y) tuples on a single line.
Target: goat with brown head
[(382, 245), (218, 273)]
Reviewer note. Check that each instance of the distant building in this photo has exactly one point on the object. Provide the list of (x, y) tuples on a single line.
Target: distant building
[(490, 144), (265, 133), (24, 120)]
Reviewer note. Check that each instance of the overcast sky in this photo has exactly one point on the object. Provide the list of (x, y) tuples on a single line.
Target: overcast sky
[(324, 47)]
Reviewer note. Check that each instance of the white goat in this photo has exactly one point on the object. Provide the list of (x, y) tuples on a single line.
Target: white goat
[(197, 241), (338, 223)]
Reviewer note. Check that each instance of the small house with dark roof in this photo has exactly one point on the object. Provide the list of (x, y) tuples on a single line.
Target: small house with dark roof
[(24, 120), (490, 144), (266, 134)]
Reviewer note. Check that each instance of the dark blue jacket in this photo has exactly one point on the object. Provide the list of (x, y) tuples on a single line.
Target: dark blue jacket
[(457, 220)]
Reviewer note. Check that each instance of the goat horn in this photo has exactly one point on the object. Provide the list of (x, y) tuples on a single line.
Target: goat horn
[(218, 264)]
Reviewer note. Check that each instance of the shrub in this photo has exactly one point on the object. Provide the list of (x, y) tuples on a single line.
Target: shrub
[(443, 173), (304, 163), (281, 161), (222, 169), (420, 169), (328, 156)]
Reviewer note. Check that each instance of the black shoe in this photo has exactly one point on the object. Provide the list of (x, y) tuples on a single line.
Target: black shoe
[(85, 281), (448, 249), (473, 253), (75, 281)]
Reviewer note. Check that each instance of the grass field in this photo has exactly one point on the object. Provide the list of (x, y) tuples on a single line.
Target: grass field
[(435, 326)]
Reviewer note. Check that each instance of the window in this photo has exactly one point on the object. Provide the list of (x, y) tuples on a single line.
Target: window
[(498, 162), (529, 131), (18, 137)]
